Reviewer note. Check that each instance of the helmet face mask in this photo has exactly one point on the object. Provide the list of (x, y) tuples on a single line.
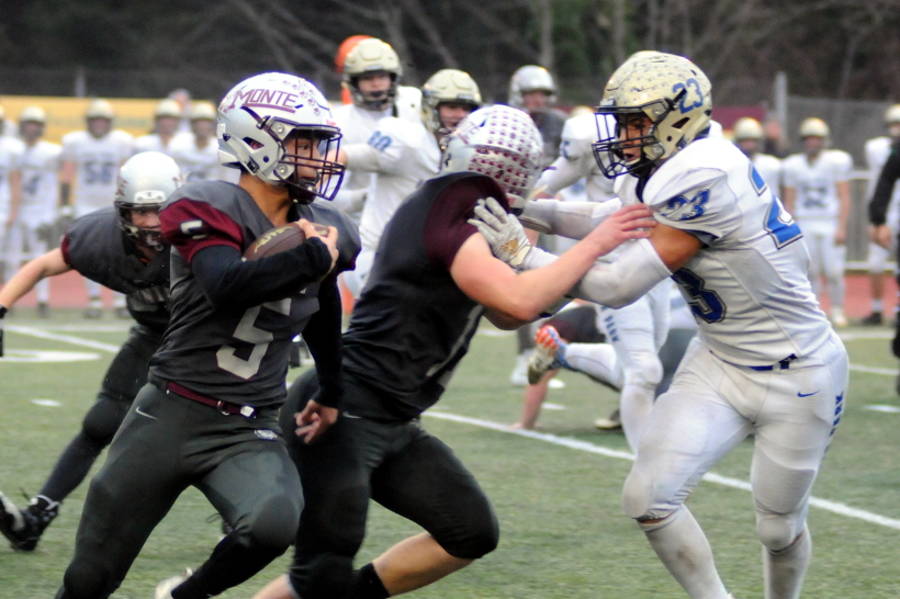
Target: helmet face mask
[(669, 93), (258, 119), (502, 143)]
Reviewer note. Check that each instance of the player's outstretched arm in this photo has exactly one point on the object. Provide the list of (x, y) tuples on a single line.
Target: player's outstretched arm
[(569, 219), (48, 265), (513, 299)]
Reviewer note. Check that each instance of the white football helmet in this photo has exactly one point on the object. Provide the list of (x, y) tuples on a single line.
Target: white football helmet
[(145, 181), (369, 56), (814, 127), (501, 142), (33, 114), (530, 78), (450, 86), (747, 128), (260, 113), (99, 109), (167, 108), (892, 115), (202, 111), (670, 91)]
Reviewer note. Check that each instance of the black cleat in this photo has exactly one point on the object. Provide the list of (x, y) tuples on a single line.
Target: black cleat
[(43, 310), (23, 528), (875, 319)]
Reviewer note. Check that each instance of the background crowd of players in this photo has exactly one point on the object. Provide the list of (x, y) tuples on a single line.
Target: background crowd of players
[(392, 136)]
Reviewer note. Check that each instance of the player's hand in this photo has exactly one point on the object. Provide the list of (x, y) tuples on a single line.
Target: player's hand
[(314, 420), (630, 222), (840, 236), (881, 234), (503, 232), (329, 238)]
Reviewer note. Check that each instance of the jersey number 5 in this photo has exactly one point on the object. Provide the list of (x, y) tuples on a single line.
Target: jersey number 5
[(247, 331)]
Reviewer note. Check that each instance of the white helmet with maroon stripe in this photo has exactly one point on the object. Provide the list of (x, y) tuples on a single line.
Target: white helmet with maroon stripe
[(501, 142), (256, 118)]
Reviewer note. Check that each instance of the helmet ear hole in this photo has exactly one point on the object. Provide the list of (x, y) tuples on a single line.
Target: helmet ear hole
[(679, 124)]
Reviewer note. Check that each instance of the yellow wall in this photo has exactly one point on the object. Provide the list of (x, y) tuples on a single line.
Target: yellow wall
[(67, 114)]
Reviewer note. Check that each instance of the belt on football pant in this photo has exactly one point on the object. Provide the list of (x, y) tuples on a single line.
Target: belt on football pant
[(780, 365), (225, 408)]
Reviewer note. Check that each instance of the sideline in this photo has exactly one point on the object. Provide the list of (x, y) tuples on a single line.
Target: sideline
[(835, 507)]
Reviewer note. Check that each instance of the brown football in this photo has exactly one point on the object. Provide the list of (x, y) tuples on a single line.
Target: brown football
[(279, 239)]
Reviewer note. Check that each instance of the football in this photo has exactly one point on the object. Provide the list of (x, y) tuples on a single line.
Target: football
[(279, 239)]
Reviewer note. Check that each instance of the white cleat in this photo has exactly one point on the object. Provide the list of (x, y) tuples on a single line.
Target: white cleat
[(519, 377), (165, 588), (838, 319)]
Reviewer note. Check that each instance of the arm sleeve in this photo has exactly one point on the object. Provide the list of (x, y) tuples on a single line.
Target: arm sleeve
[(569, 219), (634, 272), (323, 337), (362, 157), (881, 198), (562, 173), (226, 279)]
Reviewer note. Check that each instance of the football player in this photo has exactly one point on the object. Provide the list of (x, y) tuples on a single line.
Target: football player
[(766, 361), (166, 120), (90, 161), (401, 154), (877, 150), (119, 246), (532, 89), (433, 279), (209, 409), (749, 137), (371, 74), (197, 153), (636, 331), (817, 191), (31, 235), (11, 150)]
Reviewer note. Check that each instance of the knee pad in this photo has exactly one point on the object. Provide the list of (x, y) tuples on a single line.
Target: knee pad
[(272, 525), (644, 369), (481, 536), (778, 531), (637, 495), (326, 576), (103, 419)]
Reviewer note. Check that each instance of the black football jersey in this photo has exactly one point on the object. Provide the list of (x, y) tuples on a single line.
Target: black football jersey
[(237, 354), (98, 248), (412, 324)]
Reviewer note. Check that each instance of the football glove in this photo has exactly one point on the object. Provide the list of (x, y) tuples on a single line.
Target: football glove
[(502, 231)]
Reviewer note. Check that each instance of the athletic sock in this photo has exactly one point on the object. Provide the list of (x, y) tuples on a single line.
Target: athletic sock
[(784, 570), (685, 552)]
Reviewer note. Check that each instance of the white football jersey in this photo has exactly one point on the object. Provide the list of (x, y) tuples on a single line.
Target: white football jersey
[(747, 286), (40, 183), (357, 125), (576, 161), (815, 183), (11, 150), (200, 163), (152, 142), (97, 163), (770, 169), (402, 154)]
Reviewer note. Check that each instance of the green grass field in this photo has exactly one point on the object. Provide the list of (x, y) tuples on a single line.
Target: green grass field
[(562, 531)]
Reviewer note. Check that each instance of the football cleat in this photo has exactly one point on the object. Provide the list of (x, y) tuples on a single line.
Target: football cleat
[(23, 528), (164, 589), (549, 353), (838, 319), (875, 319), (610, 423)]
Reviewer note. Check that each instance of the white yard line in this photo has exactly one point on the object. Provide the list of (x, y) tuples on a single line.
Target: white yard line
[(41, 334), (831, 506)]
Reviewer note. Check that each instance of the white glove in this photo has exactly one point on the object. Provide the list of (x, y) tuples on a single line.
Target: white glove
[(502, 231)]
